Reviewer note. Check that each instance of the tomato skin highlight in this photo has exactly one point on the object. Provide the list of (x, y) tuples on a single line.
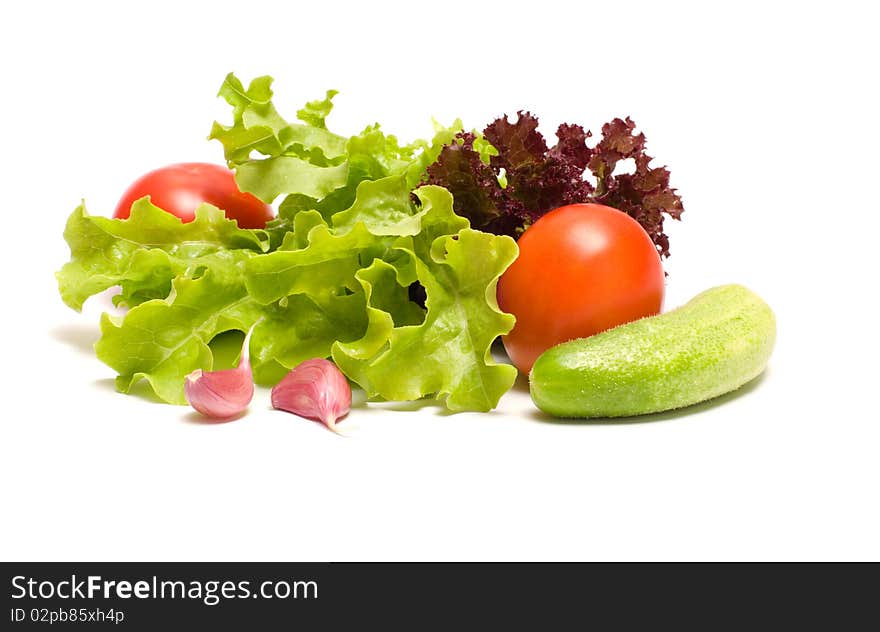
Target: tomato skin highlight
[(582, 269), (181, 188)]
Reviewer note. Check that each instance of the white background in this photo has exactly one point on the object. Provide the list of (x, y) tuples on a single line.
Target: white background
[(765, 113)]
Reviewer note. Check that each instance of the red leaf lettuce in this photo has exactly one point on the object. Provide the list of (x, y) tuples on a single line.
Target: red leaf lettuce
[(506, 190)]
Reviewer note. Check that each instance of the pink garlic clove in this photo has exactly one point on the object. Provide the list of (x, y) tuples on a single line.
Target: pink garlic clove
[(314, 389), (222, 394)]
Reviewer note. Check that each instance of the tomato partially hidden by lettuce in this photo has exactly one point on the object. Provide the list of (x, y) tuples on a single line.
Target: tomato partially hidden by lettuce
[(181, 188), (582, 269)]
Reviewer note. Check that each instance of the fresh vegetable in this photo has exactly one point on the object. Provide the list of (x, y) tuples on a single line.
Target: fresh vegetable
[(145, 253), (221, 394), (506, 184), (712, 345), (581, 269), (181, 188), (315, 389), (304, 165), (331, 276)]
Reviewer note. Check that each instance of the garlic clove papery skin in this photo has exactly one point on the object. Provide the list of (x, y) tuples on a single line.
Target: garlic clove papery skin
[(222, 394), (314, 389)]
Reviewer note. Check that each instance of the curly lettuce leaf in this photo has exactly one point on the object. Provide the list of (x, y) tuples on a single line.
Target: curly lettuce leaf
[(478, 193), (645, 195), (144, 253), (446, 352), (305, 166), (389, 207), (327, 263), (163, 340), (376, 249), (272, 177), (315, 112), (258, 127), (506, 190), (448, 355), (301, 327)]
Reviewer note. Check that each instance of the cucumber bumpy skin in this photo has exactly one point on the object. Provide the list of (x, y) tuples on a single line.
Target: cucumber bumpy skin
[(712, 345)]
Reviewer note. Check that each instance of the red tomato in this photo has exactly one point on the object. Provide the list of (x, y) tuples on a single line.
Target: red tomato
[(581, 269), (180, 188)]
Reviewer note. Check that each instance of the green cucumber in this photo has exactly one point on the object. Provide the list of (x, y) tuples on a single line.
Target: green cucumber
[(712, 345)]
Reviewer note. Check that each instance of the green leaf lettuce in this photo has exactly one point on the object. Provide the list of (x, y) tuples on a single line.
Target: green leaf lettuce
[(331, 276)]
